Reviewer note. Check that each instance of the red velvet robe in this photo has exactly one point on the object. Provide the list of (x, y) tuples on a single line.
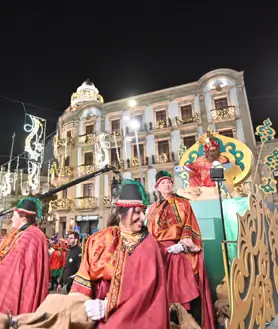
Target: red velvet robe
[(132, 275), (24, 272), (170, 221), (200, 171)]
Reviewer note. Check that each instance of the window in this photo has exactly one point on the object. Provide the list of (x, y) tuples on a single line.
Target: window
[(89, 129), (221, 103), (139, 119), (227, 133), (163, 147), (141, 150), (88, 190), (188, 141), (65, 194), (186, 113), (67, 161), (115, 125), (63, 219), (114, 157), (160, 115), (68, 133), (88, 158)]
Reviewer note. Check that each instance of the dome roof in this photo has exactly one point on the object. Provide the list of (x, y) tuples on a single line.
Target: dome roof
[(87, 92)]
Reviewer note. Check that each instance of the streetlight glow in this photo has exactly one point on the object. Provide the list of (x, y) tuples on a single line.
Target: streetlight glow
[(134, 124), (132, 103)]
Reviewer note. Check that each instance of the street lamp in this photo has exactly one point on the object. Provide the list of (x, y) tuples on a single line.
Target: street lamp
[(132, 103)]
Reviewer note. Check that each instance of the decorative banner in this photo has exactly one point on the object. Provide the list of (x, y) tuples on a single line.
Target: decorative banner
[(101, 151), (266, 133), (34, 146), (268, 186)]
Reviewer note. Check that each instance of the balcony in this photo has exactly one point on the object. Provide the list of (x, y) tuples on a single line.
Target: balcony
[(107, 202), (59, 205), (60, 175), (62, 142), (85, 170), (87, 139), (85, 203), (223, 114), (135, 161), (194, 119)]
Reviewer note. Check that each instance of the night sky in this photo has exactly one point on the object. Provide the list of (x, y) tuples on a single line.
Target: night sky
[(48, 48)]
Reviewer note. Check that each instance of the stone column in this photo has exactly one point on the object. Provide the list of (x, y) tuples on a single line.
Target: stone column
[(102, 181), (203, 112)]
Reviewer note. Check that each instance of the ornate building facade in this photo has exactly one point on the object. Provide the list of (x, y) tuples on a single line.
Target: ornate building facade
[(167, 118)]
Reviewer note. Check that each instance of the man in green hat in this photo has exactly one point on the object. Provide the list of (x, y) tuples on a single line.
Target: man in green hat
[(172, 222), (24, 264)]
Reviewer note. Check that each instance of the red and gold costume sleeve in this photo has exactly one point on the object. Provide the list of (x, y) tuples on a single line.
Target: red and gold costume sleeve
[(96, 262), (174, 219)]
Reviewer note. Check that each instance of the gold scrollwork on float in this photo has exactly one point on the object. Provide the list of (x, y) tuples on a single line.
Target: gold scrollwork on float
[(254, 273)]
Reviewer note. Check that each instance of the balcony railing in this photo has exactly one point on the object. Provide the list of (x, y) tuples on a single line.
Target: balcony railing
[(64, 172), (223, 114), (107, 202), (62, 142), (85, 203), (60, 205), (164, 158), (85, 170), (135, 161), (193, 119), (87, 139)]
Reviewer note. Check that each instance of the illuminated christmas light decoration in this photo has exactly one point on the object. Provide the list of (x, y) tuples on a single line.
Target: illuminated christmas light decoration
[(116, 145), (34, 146), (16, 174), (48, 173), (101, 151)]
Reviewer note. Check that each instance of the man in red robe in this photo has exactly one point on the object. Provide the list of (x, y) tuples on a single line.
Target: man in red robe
[(172, 222), (24, 265), (199, 174), (123, 271)]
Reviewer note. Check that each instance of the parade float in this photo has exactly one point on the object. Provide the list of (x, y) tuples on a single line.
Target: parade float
[(240, 234)]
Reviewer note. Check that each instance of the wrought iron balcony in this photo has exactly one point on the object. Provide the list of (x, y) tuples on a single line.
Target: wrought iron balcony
[(163, 158), (161, 124), (85, 170), (59, 205), (87, 139), (64, 172), (107, 202), (62, 142), (85, 203), (135, 161), (223, 114), (193, 119)]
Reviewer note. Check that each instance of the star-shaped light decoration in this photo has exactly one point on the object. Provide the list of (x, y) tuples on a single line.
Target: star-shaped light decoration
[(265, 131), (268, 186)]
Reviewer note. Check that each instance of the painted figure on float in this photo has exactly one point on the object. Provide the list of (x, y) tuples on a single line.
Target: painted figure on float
[(212, 151)]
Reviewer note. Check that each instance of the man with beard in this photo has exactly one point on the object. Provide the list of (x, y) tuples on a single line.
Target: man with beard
[(73, 261)]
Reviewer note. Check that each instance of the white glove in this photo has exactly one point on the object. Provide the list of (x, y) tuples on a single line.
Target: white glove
[(96, 308), (176, 249)]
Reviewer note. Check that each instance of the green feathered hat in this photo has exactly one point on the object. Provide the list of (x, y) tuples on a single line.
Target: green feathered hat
[(132, 194), (161, 175), (29, 206)]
